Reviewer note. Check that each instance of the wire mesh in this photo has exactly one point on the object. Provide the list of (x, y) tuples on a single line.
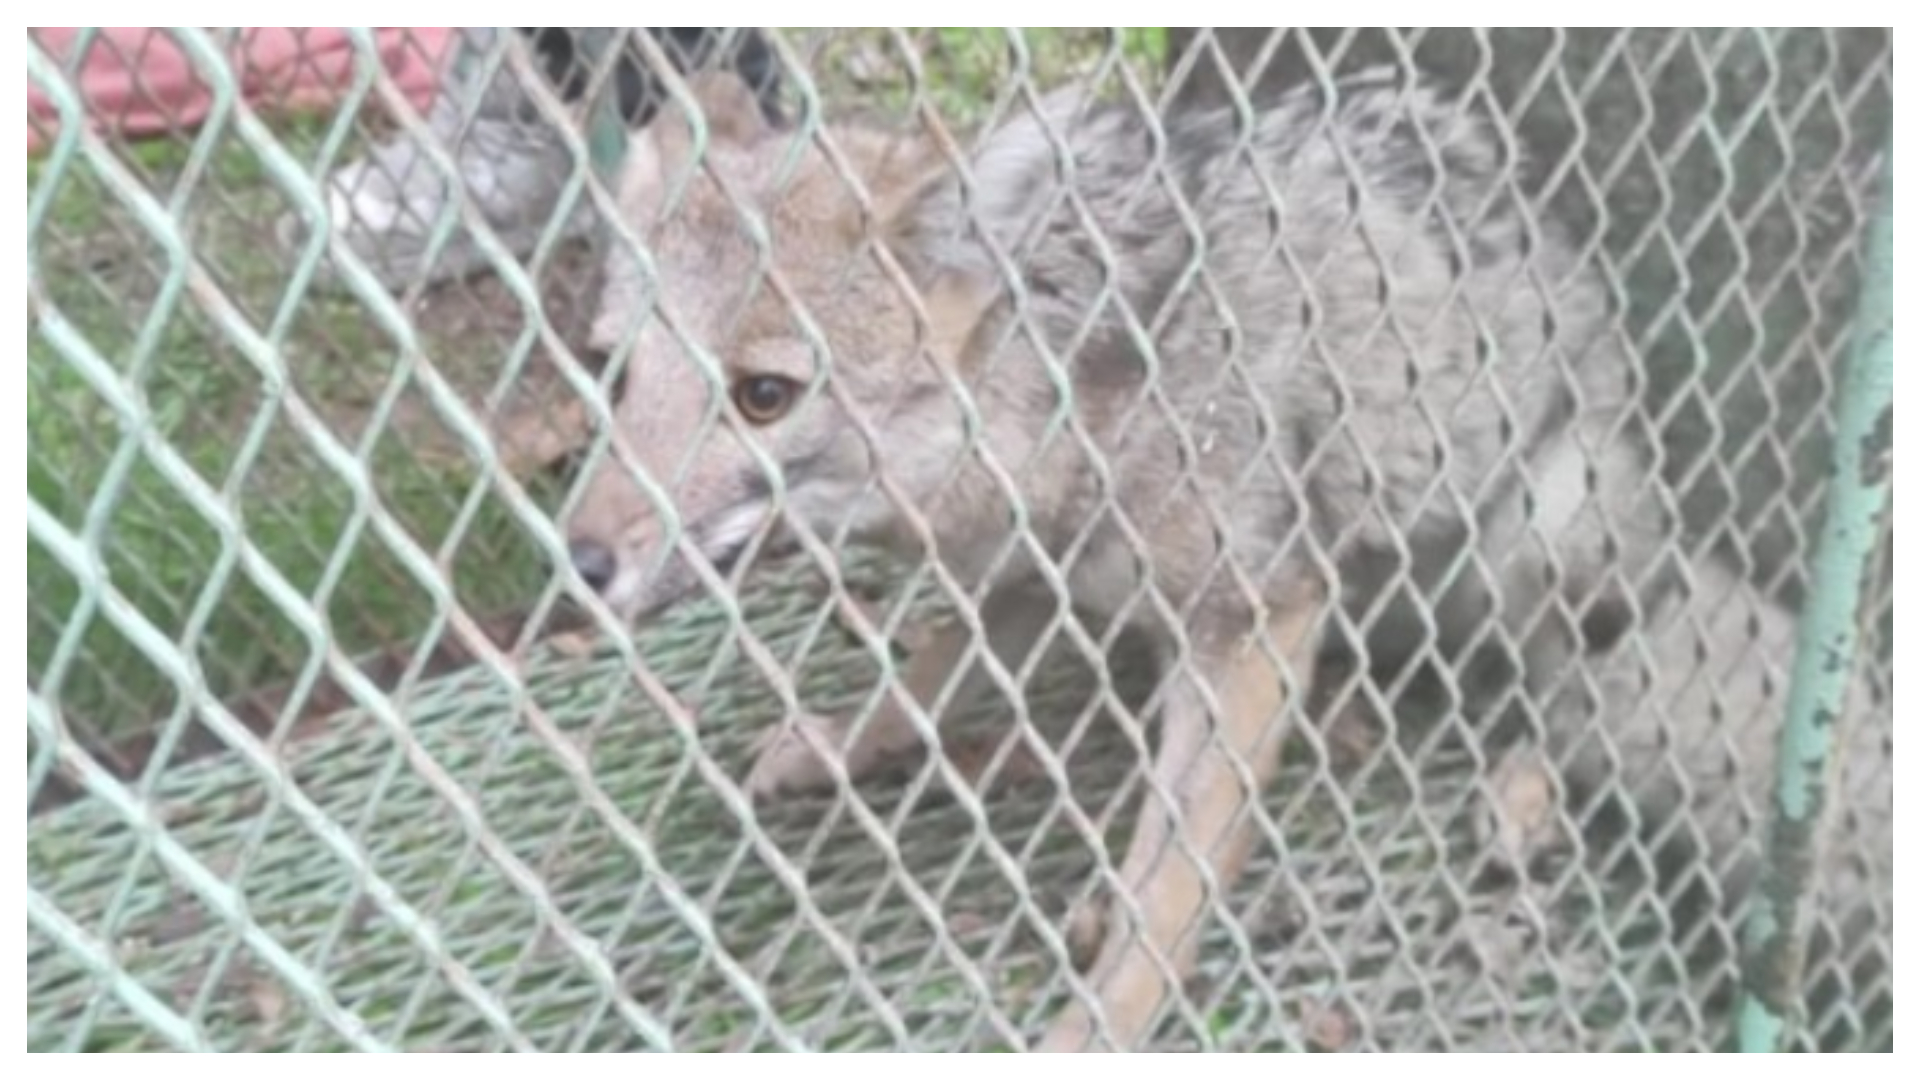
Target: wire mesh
[(467, 471)]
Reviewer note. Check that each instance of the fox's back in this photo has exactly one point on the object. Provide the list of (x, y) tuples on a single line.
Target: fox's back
[(1337, 315)]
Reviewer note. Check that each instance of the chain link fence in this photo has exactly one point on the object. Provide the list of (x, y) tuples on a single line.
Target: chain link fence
[(1346, 494)]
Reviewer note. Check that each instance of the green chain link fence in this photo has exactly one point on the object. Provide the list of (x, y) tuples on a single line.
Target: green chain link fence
[(330, 748)]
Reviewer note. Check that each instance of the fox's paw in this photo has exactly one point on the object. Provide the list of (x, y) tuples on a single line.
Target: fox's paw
[(792, 759)]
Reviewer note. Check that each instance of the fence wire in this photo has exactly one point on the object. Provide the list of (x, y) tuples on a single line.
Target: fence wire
[(507, 508)]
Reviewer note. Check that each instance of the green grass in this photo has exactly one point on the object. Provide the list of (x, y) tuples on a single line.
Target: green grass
[(101, 271), (965, 73)]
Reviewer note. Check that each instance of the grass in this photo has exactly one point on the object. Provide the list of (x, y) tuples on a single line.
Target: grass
[(213, 408), (965, 72), (101, 271)]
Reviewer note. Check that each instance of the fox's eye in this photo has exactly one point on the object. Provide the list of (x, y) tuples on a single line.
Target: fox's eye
[(763, 399)]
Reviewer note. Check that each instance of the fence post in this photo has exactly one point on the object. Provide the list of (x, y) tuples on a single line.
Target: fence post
[(1826, 649)]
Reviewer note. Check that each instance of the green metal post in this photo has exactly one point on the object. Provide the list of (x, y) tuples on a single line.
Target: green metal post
[(1826, 650)]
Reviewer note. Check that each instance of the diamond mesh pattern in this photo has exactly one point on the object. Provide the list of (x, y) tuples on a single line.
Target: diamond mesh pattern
[(330, 749)]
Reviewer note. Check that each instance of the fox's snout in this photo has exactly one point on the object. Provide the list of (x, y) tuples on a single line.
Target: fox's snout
[(640, 559), (594, 561)]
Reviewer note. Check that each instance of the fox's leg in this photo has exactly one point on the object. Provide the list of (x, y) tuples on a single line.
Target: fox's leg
[(1140, 966), (790, 757)]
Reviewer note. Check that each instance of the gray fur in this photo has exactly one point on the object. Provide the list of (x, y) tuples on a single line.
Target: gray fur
[(1334, 345)]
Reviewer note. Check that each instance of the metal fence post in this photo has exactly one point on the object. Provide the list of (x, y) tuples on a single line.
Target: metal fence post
[(1826, 649)]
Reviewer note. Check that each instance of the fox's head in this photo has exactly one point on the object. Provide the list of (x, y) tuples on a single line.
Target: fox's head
[(789, 342)]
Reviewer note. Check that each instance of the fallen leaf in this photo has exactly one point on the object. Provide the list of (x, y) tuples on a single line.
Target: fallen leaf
[(1328, 1026), (972, 757), (267, 1000), (1086, 930), (967, 924), (1523, 819), (574, 644)]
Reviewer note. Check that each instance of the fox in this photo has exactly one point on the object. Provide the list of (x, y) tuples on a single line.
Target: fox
[(1679, 730), (1254, 386)]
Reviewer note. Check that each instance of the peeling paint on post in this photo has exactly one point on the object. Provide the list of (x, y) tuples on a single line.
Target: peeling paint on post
[(1826, 649)]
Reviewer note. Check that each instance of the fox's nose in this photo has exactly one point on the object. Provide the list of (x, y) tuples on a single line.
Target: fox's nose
[(594, 562)]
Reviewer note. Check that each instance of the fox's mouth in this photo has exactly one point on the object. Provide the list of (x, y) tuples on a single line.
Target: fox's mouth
[(675, 580), (640, 584), (780, 544), (725, 537), (728, 558)]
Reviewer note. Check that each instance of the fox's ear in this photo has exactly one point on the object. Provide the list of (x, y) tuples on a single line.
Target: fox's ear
[(727, 109), (944, 218), (731, 111), (947, 219)]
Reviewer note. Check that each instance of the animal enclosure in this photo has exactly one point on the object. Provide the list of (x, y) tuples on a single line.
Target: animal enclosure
[(358, 720)]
